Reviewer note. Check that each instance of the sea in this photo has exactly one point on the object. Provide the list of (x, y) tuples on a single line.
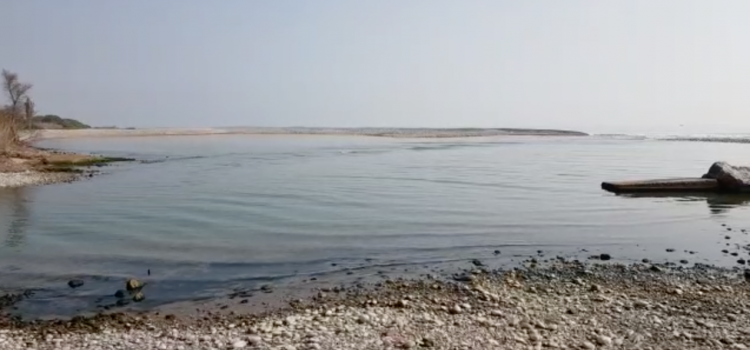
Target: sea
[(199, 216)]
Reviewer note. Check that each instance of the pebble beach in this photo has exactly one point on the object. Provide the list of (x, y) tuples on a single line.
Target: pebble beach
[(563, 305)]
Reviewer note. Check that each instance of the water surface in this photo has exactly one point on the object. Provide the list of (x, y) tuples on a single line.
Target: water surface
[(207, 213)]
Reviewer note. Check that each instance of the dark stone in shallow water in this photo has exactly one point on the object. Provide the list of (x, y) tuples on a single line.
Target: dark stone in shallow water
[(605, 257), (725, 251), (683, 261), (477, 262), (741, 261), (670, 250), (120, 294), (645, 261), (497, 252), (75, 283), (734, 254)]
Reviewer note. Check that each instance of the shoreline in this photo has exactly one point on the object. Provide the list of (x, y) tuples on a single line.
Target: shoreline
[(559, 304), (369, 132)]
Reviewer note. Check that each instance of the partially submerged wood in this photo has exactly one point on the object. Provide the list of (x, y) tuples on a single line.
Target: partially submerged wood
[(721, 177), (663, 185)]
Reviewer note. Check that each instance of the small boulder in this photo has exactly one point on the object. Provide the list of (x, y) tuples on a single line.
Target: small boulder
[(605, 257), (730, 178), (120, 294), (133, 285)]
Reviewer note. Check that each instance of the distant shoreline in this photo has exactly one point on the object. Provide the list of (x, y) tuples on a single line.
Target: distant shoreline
[(371, 132)]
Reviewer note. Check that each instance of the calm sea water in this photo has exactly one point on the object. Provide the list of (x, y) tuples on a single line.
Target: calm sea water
[(206, 213)]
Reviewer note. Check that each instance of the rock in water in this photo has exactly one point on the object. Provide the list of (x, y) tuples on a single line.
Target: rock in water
[(605, 257), (75, 283), (133, 285), (120, 294), (730, 178)]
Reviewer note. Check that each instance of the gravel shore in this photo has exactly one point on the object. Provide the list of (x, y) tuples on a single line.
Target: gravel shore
[(566, 305)]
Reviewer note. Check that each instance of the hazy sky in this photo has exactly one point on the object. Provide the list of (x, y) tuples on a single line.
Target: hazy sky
[(601, 66)]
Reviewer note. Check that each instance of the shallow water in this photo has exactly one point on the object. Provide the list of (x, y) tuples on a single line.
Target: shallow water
[(209, 213)]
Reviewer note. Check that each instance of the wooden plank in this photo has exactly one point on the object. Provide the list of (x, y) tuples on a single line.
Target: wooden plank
[(663, 185)]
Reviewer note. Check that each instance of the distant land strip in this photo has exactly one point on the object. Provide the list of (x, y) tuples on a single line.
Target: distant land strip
[(374, 132)]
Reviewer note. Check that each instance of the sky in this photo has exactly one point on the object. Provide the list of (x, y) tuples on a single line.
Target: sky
[(596, 66)]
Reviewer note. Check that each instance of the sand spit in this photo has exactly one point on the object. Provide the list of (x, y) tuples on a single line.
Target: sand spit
[(715, 139), (375, 132), (566, 305), (27, 166)]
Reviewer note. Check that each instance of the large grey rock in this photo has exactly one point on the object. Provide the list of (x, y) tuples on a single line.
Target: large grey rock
[(730, 178)]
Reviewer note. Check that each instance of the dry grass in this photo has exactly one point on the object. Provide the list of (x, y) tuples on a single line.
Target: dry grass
[(8, 132)]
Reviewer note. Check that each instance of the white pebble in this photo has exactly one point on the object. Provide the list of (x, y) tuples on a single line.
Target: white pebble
[(603, 340)]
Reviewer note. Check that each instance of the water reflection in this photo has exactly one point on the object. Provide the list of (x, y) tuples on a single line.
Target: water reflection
[(14, 210), (717, 203)]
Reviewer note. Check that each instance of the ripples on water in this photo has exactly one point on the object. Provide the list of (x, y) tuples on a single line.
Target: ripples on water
[(203, 212)]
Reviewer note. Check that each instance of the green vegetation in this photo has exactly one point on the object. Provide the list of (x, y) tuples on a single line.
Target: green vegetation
[(51, 121), (76, 165), (85, 162), (63, 168)]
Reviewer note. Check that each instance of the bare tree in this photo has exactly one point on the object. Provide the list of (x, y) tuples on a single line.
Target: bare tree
[(16, 91), (17, 115)]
